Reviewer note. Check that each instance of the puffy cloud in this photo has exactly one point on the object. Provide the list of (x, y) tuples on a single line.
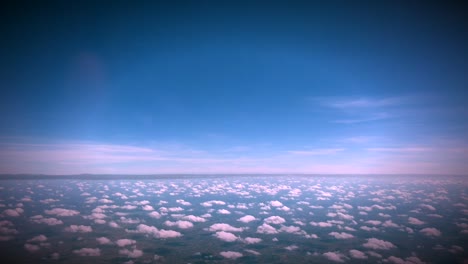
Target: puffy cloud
[(224, 227), (39, 238), (415, 221), (147, 208), (39, 219), (428, 207), (62, 212), (226, 236), (31, 247), (409, 260), (274, 220), (223, 211), (266, 229), (135, 253), (276, 203), (291, 248), (182, 202), (252, 240), (430, 231), (91, 252), (374, 243), (158, 233), (341, 235), (247, 219), (125, 242), (321, 224), (103, 241), (374, 222), (252, 252), (357, 254), (389, 223), (211, 203), (13, 212), (231, 254), (194, 218), (180, 224), (334, 256), (79, 229), (290, 229), (155, 214)]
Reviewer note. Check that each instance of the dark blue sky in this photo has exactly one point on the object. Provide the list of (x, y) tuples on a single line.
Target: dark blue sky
[(198, 86)]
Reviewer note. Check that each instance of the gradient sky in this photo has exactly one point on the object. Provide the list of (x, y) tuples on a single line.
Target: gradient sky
[(245, 87)]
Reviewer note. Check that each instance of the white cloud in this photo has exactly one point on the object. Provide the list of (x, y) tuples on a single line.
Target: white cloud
[(430, 231), (252, 240), (147, 208), (276, 203), (158, 233), (247, 219), (155, 214), (135, 253), (91, 252), (62, 212), (31, 247), (103, 241), (321, 224), (223, 211), (182, 202), (357, 254), (274, 220), (341, 235), (415, 221), (125, 242), (291, 248), (266, 229), (79, 229), (12, 212), (224, 227), (39, 238), (231, 254), (194, 218), (334, 256), (180, 224), (226, 236), (374, 243)]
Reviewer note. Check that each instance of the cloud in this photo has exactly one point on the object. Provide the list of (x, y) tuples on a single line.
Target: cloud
[(266, 229), (252, 240), (31, 247), (321, 224), (357, 254), (274, 220), (431, 232), (90, 252), (157, 233), (247, 219), (39, 238), (334, 256), (135, 253), (415, 221), (374, 243), (224, 227), (62, 212), (223, 211), (341, 235), (12, 212), (155, 214), (194, 218), (276, 203), (39, 219), (79, 229), (125, 242), (180, 224), (326, 151), (226, 236), (103, 241), (231, 254)]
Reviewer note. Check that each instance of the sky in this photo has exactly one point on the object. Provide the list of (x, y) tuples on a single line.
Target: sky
[(147, 87)]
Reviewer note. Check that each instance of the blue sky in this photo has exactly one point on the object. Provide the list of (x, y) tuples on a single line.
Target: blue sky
[(204, 87)]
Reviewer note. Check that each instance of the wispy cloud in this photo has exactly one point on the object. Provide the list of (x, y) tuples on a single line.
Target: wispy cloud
[(372, 117), (326, 151), (403, 149)]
